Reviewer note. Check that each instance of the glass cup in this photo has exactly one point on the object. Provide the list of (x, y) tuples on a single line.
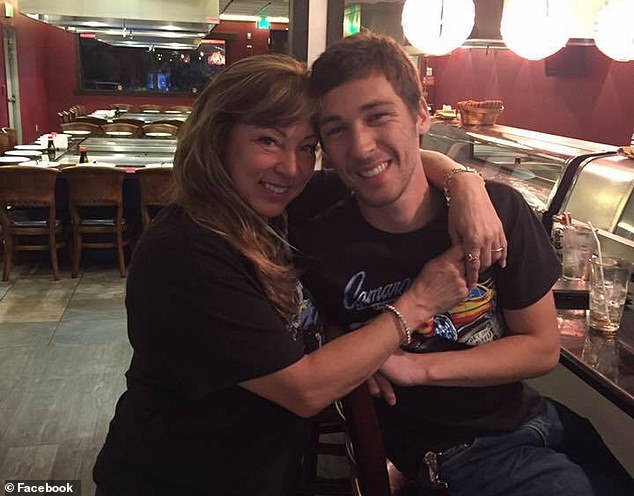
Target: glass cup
[(578, 244), (609, 278)]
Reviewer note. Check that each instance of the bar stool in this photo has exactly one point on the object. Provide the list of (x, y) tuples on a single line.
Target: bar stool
[(122, 129), (150, 108), (91, 187), (81, 128), (27, 209), (122, 107), (155, 130), (157, 190)]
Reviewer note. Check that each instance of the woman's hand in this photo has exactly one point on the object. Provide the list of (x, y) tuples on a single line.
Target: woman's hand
[(474, 223)]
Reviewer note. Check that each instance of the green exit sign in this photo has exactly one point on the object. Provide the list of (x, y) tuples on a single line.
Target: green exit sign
[(263, 23)]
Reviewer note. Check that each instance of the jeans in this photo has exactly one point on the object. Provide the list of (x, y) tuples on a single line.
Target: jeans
[(534, 460)]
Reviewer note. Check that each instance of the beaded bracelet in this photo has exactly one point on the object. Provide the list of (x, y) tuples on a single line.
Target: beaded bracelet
[(404, 329), (449, 176)]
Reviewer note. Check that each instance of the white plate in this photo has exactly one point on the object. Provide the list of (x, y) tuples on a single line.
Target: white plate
[(40, 146), (119, 133), (24, 153), (162, 164), (78, 132), (12, 160), (159, 135)]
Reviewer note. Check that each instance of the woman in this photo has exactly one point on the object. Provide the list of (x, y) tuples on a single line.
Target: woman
[(220, 383)]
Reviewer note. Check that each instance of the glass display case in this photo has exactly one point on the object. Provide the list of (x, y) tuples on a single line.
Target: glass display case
[(553, 173)]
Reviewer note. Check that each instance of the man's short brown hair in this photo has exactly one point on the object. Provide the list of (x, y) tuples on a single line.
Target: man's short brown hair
[(364, 54)]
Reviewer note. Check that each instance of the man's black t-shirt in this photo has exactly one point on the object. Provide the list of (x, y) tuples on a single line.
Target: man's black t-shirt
[(199, 324), (353, 270)]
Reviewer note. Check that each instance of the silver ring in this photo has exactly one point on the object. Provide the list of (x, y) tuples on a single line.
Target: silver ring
[(472, 258), (497, 250)]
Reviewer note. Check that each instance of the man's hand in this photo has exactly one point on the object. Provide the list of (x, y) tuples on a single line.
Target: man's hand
[(380, 386)]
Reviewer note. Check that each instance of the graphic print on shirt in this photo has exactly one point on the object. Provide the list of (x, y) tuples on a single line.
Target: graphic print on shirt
[(473, 322), (307, 322)]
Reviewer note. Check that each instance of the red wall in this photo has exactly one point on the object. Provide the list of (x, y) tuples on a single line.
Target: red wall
[(47, 65), (592, 98)]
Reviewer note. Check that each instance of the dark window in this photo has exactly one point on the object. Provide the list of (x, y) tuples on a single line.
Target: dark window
[(135, 69)]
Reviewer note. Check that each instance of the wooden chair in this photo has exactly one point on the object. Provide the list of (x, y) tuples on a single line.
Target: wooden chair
[(126, 107), (122, 129), (161, 129), (27, 209), (73, 127), (91, 187), (92, 120), (150, 108), (157, 190), (174, 122), (11, 136), (181, 108)]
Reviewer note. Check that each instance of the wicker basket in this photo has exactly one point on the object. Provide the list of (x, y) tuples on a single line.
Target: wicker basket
[(483, 113)]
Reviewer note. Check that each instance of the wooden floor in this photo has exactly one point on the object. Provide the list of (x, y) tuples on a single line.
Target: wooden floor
[(63, 353)]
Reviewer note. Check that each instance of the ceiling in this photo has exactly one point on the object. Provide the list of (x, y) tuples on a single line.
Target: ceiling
[(175, 35), (273, 8)]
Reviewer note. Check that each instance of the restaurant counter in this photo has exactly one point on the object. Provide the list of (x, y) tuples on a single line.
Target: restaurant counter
[(604, 361), (121, 152)]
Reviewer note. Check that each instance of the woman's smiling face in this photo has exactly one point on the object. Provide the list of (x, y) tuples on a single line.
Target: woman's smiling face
[(269, 166)]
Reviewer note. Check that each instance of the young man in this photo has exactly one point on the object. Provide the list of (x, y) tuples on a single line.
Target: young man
[(459, 395)]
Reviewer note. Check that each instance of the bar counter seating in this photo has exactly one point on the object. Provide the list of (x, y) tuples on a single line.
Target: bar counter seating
[(27, 210), (95, 202)]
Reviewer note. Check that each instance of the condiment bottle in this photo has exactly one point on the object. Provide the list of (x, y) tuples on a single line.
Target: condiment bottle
[(50, 148), (83, 154)]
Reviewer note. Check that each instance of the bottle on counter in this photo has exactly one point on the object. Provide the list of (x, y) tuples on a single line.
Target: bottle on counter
[(50, 148), (83, 154)]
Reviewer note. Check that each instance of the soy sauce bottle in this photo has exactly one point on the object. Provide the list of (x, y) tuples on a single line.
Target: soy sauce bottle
[(50, 148), (83, 155)]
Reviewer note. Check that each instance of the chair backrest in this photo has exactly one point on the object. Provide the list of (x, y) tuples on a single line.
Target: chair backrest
[(150, 107), (93, 120), (123, 127), (367, 442), (82, 126), (122, 106), (170, 129), (11, 135), (181, 108), (157, 189), (173, 122), (90, 185), (27, 186)]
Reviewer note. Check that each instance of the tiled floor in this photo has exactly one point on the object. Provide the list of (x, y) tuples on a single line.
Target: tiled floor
[(63, 353)]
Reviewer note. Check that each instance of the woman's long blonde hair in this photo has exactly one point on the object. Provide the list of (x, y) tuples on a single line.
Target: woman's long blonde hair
[(263, 90)]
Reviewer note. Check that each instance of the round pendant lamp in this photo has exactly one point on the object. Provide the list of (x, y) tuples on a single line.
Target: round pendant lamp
[(535, 29), (436, 27), (615, 30)]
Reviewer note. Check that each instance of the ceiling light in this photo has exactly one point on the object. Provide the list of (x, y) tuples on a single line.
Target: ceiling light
[(436, 27), (535, 29), (615, 33)]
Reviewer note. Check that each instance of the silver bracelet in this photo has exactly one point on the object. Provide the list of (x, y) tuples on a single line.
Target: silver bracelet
[(404, 329), (450, 175)]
